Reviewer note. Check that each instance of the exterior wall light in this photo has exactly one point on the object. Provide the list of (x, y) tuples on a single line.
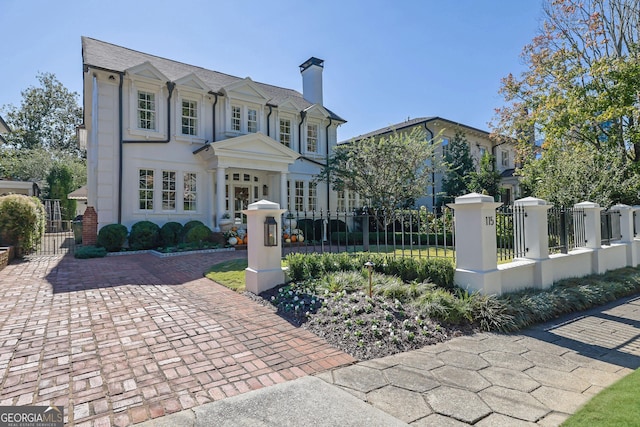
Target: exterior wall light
[(270, 231)]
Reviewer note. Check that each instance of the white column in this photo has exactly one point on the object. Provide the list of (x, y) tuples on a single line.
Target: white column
[(626, 230), (536, 238), (264, 270), (220, 182), (476, 255), (212, 215), (593, 234), (284, 203)]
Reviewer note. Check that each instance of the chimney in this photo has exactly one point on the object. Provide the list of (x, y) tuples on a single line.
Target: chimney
[(311, 71)]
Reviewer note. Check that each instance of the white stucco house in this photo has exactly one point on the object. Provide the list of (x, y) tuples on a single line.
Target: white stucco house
[(442, 131), (168, 141)]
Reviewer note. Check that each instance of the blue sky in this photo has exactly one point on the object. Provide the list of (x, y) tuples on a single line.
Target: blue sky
[(385, 60)]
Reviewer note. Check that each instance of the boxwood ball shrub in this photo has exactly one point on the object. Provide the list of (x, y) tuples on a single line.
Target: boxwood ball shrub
[(170, 233), (144, 235), (188, 226), (112, 237), (22, 222), (199, 233)]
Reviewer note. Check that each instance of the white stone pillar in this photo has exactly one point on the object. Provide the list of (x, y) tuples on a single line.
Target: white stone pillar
[(626, 230), (536, 237), (264, 270), (220, 196), (476, 255), (211, 207), (284, 202), (593, 233)]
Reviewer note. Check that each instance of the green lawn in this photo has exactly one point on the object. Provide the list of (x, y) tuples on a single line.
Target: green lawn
[(229, 274), (615, 406)]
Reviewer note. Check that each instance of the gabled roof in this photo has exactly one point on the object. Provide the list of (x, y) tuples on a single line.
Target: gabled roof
[(99, 54), (411, 123)]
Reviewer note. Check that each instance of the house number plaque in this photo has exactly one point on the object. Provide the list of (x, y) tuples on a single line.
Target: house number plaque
[(489, 220)]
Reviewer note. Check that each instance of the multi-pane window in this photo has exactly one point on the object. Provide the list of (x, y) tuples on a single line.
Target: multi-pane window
[(252, 121), (189, 118), (285, 132), (146, 110), (312, 138), (341, 201), (190, 191), (351, 201), (168, 190), (298, 202), (235, 118), (145, 189), (313, 196), (445, 147), (505, 158)]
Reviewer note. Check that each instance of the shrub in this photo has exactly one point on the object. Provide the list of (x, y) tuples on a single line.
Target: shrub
[(22, 222), (112, 237), (188, 226), (198, 233), (144, 235), (85, 252), (170, 233)]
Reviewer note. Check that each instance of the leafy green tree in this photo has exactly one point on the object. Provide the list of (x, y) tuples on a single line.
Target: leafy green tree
[(389, 171), (486, 180), (47, 117), (459, 167), (580, 87), (60, 182)]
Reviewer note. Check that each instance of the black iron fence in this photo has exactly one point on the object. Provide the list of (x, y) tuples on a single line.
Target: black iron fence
[(411, 232), (610, 230), (566, 229), (57, 241), (510, 239)]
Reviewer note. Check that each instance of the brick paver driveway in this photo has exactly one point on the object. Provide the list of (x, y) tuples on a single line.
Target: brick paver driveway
[(119, 340)]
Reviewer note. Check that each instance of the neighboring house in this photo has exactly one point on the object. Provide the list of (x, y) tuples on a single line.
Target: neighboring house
[(80, 196), (168, 141), (8, 186), (442, 131)]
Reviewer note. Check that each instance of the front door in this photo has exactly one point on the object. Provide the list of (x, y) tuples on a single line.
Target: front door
[(241, 200)]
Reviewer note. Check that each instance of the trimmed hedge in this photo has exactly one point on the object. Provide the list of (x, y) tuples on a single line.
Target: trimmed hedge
[(170, 233), (198, 233), (22, 222), (357, 238), (112, 237), (144, 235), (313, 266), (85, 252)]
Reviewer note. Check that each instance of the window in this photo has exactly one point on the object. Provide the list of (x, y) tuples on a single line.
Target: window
[(190, 192), (505, 158), (312, 138), (313, 196), (189, 118), (145, 189), (298, 202), (351, 201), (235, 118), (341, 201), (252, 121), (483, 151), (285, 132), (445, 147), (146, 110), (168, 190)]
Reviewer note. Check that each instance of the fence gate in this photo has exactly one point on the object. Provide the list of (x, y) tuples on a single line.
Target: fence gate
[(58, 239)]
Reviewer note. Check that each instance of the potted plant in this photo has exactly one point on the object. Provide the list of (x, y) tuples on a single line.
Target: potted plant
[(225, 222)]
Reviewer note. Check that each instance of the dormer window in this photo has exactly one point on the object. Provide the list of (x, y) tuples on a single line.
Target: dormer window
[(235, 118), (189, 117), (312, 138), (146, 110), (252, 121), (505, 158), (285, 132)]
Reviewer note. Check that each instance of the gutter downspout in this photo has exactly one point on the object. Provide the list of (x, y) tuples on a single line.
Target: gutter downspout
[(303, 114), (170, 86), (215, 102), (326, 130), (433, 172), (269, 120)]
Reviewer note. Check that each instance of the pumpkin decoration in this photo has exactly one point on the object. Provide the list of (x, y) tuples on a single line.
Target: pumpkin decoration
[(294, 238), (233, 241), (246, 239), (285, 236), (300, 238)]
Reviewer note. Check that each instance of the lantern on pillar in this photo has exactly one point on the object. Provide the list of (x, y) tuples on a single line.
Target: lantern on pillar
[(270, 231)]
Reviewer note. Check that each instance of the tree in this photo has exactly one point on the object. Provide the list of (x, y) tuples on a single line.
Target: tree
[(389, 172), (47, 117), (60, 182), (459, 167), (486, 180), (581, 84)]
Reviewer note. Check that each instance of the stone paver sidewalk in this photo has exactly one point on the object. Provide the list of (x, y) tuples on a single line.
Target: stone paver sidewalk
[(538, 377), (120, 340)]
